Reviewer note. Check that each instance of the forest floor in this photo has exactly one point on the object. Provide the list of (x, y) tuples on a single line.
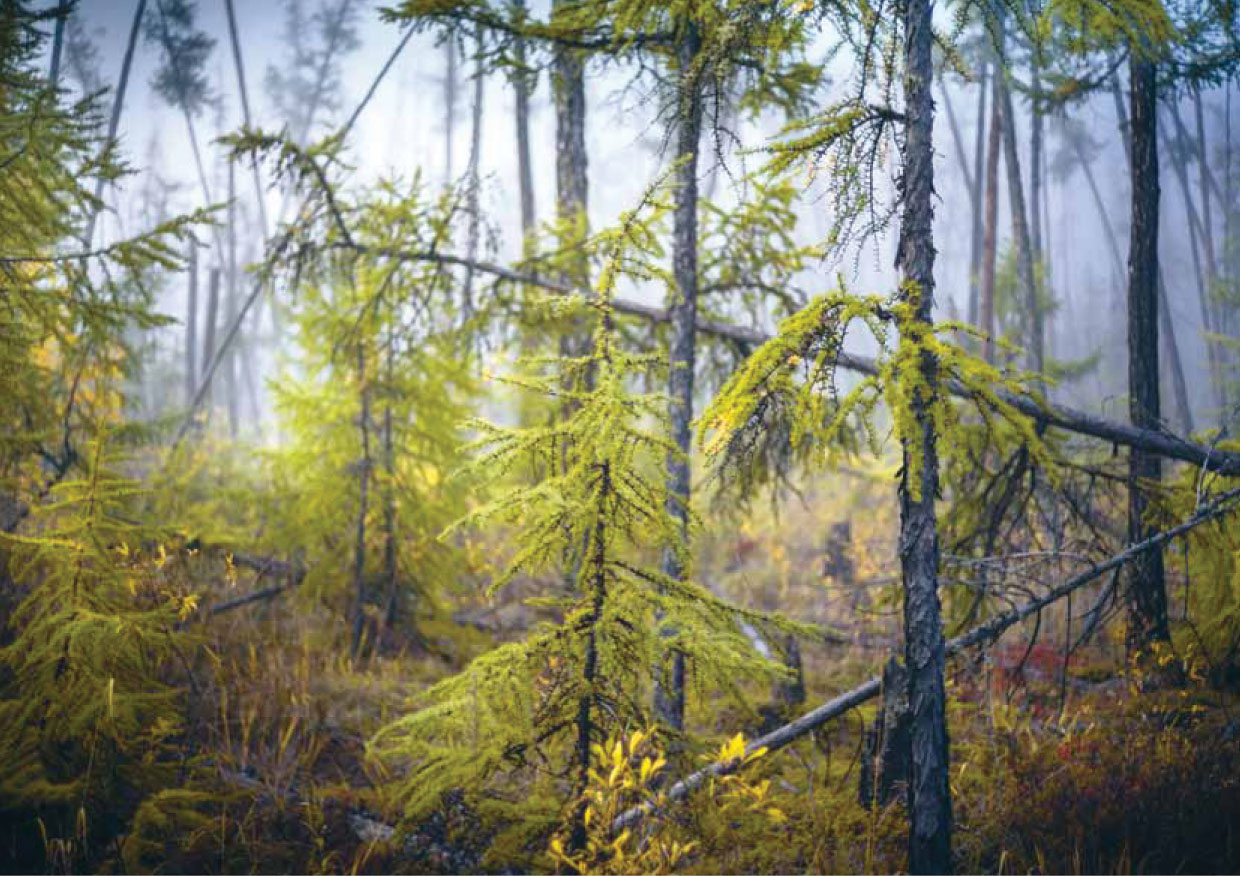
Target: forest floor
[(1060, 764)]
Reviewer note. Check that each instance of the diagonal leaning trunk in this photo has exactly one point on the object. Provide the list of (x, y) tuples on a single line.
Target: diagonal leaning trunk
[(929, 805), (670, 692), (1146, 591)]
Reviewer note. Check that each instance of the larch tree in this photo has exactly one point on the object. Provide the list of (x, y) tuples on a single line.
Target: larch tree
[(930, 814)]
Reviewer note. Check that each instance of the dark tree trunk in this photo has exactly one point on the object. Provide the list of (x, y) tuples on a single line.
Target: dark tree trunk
[(887, 746), (1147, 595), (670, 692), (990, 239), (571, 175), (1179, 382), (569, 89), (585, 704), (63, 9), (930, 813)]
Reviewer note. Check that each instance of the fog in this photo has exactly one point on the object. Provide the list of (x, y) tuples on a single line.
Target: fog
[(404, 130)]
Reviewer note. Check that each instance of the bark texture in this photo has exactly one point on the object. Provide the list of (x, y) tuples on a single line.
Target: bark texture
[(930, 815), (1146, 591), (569, 93), (885, 760), (670, 692)]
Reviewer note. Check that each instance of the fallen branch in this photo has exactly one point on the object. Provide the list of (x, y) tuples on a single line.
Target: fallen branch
[(1153, 441), (982, 634), (292, 573)]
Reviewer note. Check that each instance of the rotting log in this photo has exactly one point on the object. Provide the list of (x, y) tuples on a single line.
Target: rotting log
[(979, 635)]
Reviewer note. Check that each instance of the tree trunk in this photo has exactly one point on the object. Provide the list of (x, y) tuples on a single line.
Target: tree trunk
[(208, 346), (325, 62), (1179, 382), (1036, 156), (971, 185), (1020, 228), (572, 182), (585, 722), (63, 10), (523, 85), (975, 242), (990, 240), (114, 120), (887, 746), (363, 488), (260, 199), (930, 814), (571, 177), (474, 179), (1147, 596), (232, 365), (392, 611), (449, 108), (191, 327), (239, 68), (1209, 316), (670, 692)]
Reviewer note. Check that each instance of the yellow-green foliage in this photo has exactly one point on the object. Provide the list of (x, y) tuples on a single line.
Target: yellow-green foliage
[(62, 333), (628, 771), (352, 344), (793, 376), (1210, 560), (89, 702), (596, 511), (758, 45)]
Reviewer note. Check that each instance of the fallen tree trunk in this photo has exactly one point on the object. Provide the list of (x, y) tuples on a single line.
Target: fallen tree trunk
[(982, 634), (1149, 440)]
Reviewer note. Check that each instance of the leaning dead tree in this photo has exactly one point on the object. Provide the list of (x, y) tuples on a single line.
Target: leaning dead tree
[(980, 635)]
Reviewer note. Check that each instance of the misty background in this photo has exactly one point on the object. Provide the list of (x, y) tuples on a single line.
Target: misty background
[(404, 130)]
